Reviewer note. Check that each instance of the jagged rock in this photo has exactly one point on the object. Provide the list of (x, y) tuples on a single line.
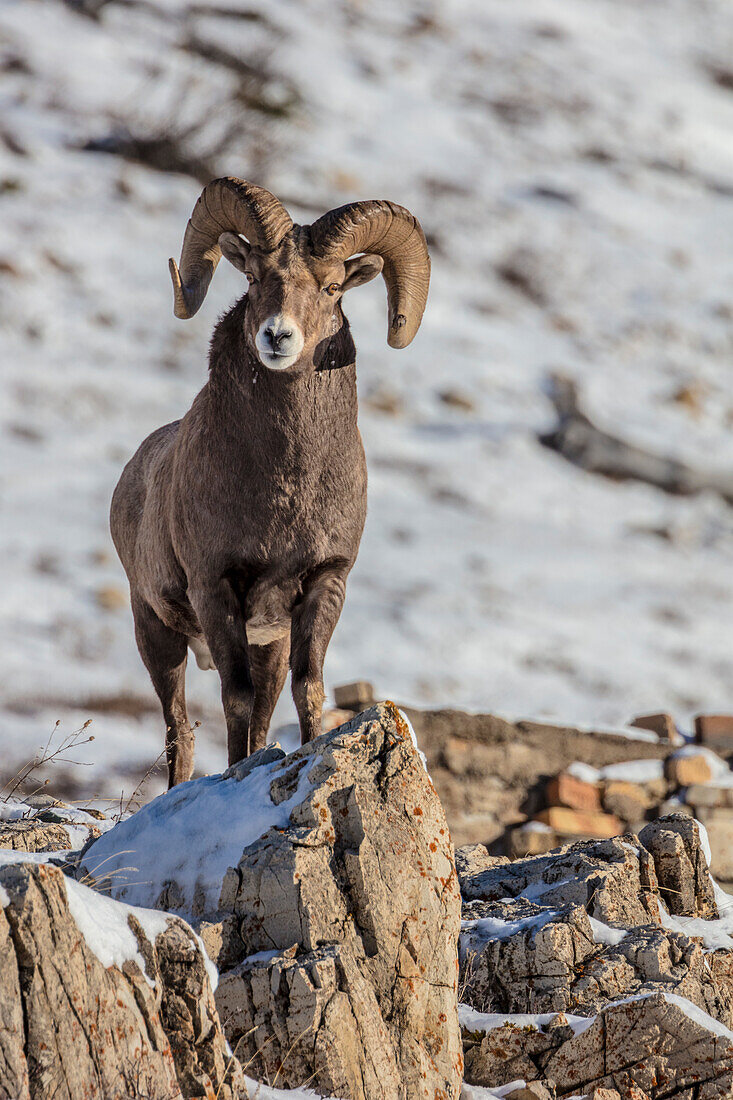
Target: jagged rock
[(681, 867), (365, 866), (509, 1052), (340, 851), (473, 858), (102, 1003), (43, 836), (655, 1046), (222, 940), (646, 1009), (535, 1090), (521, 957), (316, 1009), (651, 959), (613, 880)]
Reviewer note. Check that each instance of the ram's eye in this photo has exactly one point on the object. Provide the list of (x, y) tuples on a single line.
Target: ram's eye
[(250, 277), (332, 288)]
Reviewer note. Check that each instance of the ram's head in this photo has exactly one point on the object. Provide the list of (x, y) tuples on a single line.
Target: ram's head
[(298, 274)]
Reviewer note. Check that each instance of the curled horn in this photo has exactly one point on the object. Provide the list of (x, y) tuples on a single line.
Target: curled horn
[(225, 205), (389, 231)]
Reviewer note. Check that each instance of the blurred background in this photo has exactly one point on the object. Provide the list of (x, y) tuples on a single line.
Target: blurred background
[(572, 165)]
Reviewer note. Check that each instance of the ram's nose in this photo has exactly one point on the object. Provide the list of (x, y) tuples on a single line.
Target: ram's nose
[(279, 338), (279, 341)]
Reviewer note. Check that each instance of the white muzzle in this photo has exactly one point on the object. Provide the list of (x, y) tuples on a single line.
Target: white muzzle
[(279, 342)]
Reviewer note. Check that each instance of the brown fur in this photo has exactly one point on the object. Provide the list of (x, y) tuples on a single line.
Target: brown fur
[(251, 508)]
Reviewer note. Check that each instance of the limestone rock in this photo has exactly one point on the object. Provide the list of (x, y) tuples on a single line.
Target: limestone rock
[(655, 1045), (520, 957), (77, 1025), (614, 880), (651, 1047), (572, 823), (222, 940), (567, 790), (509, 1052), (366, 867), (314, 1010), (685, 770), (681, 867), (534, 838), (626, 800), (43, 836), (662, 724), (648, 960), (473, 858), (719, 826), (336, 862)]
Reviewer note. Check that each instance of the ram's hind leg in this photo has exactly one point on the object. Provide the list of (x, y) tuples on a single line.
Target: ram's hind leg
[(269, 667), (164, 652)]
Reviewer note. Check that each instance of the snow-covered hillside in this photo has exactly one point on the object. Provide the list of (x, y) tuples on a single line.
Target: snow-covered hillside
[(572, 164)]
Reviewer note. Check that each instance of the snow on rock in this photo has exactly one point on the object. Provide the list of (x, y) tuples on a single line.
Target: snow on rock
[(192, 834), (472, 1020), (256, 1090), (604, 933), (105, 926), (599, 999), (112, 999), (635, 771)]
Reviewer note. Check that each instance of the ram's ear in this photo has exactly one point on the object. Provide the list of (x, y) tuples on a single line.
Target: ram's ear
[(235, 249), (360, 270)]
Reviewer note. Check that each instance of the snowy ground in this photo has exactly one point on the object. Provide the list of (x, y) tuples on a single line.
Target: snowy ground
[(586, 144)]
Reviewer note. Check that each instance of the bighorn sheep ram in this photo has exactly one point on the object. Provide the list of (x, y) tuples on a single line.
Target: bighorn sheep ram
[(238, 525)]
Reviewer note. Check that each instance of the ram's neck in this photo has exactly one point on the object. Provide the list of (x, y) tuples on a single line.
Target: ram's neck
[(305, 409)]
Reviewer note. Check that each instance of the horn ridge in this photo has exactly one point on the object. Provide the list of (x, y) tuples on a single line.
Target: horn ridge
[(225, 204), (389, 231)]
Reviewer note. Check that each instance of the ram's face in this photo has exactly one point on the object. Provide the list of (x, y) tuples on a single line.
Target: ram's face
[(293, 298)]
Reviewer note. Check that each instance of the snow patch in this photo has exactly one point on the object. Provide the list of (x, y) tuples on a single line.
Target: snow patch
[(475, 933), (604, 933), (634, 771), (413, 737), (473, 1020), (191, 835), (103, 924), (257, 1091)]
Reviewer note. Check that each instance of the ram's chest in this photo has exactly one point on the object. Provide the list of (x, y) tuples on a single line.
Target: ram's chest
[(292, 518)]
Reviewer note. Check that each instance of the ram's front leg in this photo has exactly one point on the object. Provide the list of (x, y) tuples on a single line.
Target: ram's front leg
[(219, 611), (314, 620)]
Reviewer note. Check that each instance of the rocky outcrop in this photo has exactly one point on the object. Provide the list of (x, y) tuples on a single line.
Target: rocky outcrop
[(519, 957), (102, 1001), (648, 1048), (600, 966), (681, 865), (49, 827), (613, 880), (336, 917)]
